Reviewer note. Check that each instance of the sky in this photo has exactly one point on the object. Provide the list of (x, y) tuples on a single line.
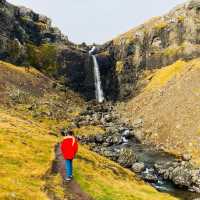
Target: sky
[(97, 20)]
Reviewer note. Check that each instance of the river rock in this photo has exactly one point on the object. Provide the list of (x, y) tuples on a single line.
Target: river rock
[(186, 157), (150, 177), (138, 167), (99, 138), (126, 157), (117, 139), (109, 153)]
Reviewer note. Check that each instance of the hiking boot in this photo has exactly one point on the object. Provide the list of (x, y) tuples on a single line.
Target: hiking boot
[(68, 179)]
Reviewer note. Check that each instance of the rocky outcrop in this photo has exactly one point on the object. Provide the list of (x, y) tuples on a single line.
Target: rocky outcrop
[(28, 38), (25, 25), (158, 42), (181, 173)]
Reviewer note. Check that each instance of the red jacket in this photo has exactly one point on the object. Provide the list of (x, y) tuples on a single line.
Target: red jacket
[(69, 147)]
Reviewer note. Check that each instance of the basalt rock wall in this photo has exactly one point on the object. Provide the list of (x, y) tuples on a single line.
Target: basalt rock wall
[(154, 44)]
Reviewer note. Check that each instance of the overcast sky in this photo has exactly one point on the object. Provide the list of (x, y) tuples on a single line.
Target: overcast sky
[(97, 20)]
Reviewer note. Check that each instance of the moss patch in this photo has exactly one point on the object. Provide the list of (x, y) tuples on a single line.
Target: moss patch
[(162, 76), (119, 67)]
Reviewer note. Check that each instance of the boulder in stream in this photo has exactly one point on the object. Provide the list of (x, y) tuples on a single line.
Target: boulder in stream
[(126, 157), (138, 167)]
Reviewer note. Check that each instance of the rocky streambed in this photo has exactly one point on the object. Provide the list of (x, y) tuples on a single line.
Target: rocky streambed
[(163, 171)]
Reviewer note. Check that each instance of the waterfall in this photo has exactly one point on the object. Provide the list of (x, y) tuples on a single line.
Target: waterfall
[(97, 81)]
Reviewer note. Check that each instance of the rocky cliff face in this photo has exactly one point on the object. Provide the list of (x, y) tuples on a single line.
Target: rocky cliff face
[(27, 38), (156, 43)]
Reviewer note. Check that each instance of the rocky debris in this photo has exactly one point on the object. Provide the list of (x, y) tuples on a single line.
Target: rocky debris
[(138, 167), (181, 173)]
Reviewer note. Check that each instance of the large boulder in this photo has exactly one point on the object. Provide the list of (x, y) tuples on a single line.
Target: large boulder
[(138, 167), (126, 157), (24, 12), (44, 19)]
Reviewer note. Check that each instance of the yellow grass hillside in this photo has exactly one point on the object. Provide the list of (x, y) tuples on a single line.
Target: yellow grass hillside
[(26, 152), (168, 105), (165, 74)]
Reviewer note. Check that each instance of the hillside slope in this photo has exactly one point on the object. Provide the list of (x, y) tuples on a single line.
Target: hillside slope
[(168, 107)]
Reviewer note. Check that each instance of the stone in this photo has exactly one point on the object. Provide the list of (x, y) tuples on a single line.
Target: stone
[(99, 138), (117, 139), (186, 157), (44, 19), (110, 154), (126, 157), (181, 176), (138, 167), (150, 177), (23, 11)]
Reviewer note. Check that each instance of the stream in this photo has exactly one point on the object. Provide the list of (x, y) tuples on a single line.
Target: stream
[(149, 156), (163, 171)]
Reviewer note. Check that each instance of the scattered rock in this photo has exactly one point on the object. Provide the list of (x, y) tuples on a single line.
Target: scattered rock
[(138, 167), (186, 157), (99, 138), (126, 157)]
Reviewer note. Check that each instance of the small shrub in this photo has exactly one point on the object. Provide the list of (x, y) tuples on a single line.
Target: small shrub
[(173, 51), (181, 19), (19, 96), (43, 57), (160, 25), (41, 26), (119, 66)]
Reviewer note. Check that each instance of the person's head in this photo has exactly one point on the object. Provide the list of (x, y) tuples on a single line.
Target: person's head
[(70, 132), (65, 132)]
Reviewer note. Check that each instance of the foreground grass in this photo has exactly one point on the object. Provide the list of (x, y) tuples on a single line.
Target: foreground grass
[(106, 180), (26, 152)]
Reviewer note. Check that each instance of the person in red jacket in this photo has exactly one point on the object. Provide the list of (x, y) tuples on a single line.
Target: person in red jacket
[(69, 148)]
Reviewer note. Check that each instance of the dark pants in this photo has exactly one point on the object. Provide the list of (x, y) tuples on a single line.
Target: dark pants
[(69, 168)]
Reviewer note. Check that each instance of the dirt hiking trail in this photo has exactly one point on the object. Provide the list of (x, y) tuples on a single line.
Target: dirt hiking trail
[(72, 187)]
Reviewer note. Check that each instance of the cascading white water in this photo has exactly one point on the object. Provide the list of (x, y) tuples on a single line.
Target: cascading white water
[(97, 80)]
